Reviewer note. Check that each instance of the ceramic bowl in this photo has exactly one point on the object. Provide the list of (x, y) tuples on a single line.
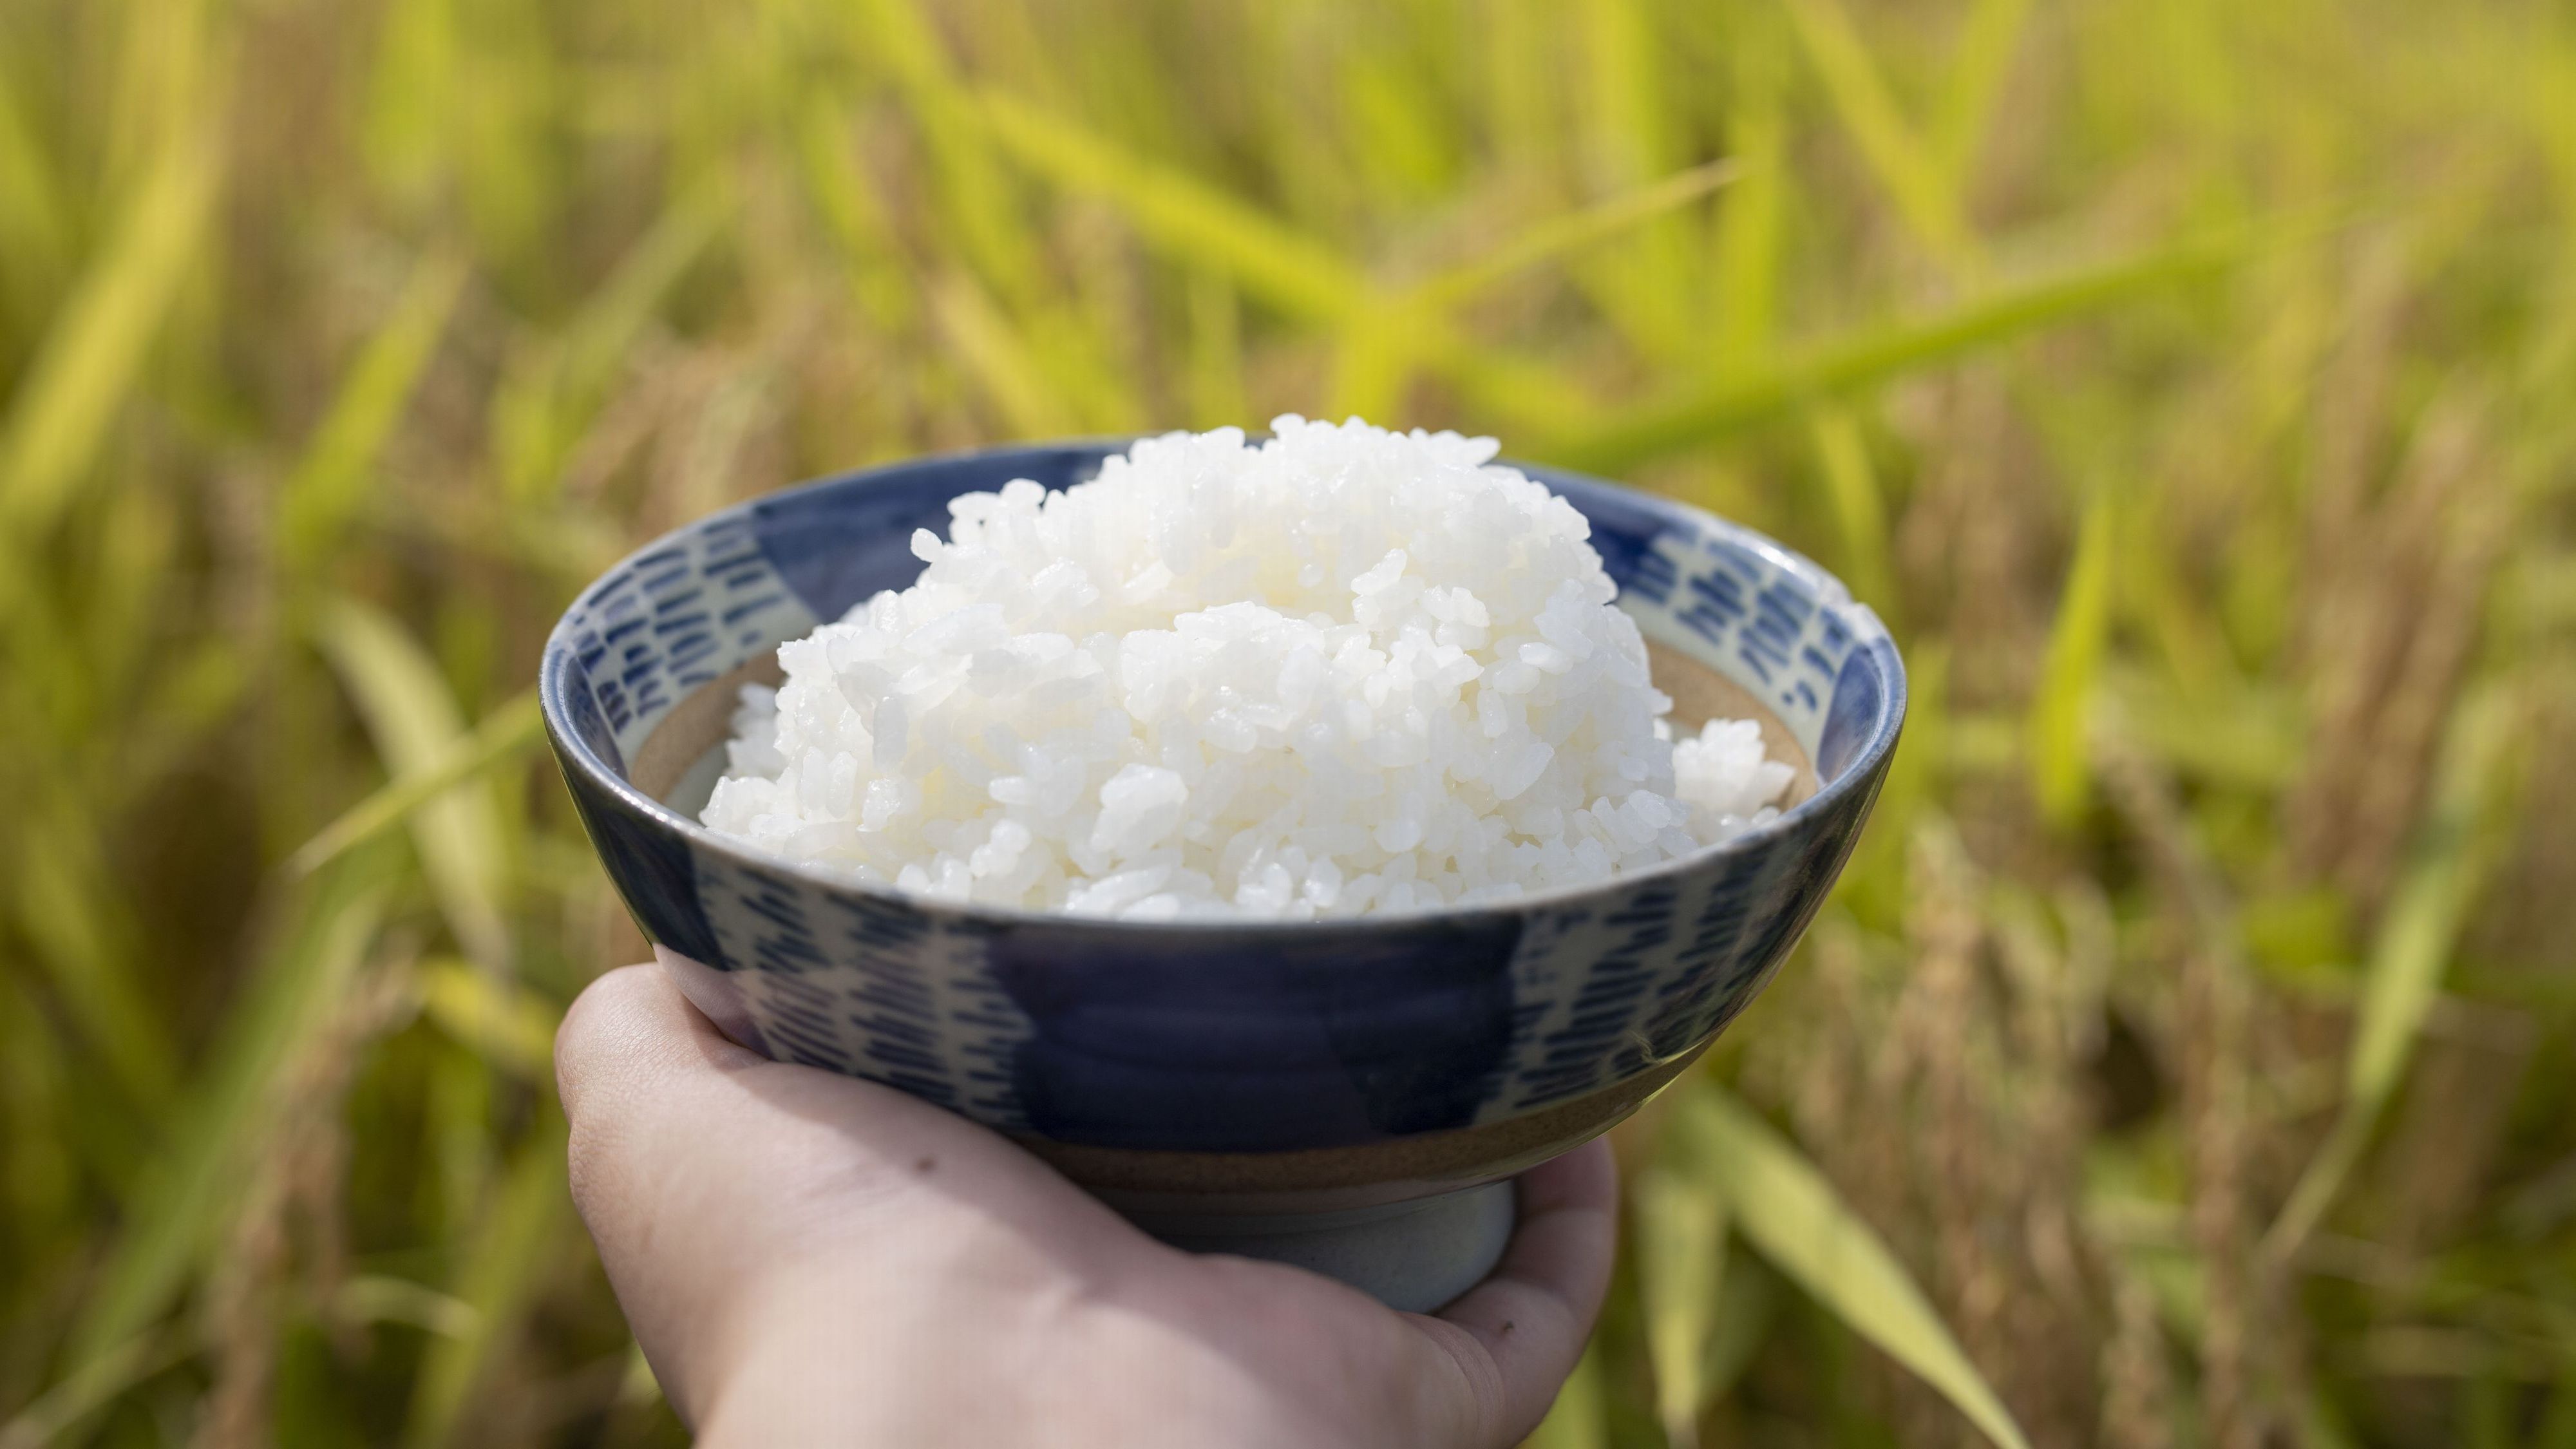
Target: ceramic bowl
[(1327, 1092)]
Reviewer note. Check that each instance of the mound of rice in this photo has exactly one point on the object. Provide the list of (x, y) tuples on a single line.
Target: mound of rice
[(1341, 672)]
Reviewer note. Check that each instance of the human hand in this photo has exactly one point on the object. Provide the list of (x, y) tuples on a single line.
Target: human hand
[(807, 1258)]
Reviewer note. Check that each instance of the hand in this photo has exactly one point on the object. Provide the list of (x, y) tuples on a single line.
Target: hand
[(811, 1259)]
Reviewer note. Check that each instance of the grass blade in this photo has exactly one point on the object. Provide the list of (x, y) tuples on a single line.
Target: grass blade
[(415, 725), (1217, 233), (1183, 214), (503, 1272), (1988, 40), (182, 1206), (93, 1386), (1733, 403), (1681, 1266), (1788, 1211), (1739, 1323), (1214, 376), (851, 214), (997, 357), (2061, 707), (35, 225), (329, 480), (1746, 270), (376, 1298), (502, 1022), (1626, 129), (2448, 861), (2232, 732), (502, 735), (59, 419), (64, 908), (1560, 235), (542, 411), (1860, 514), (973, 189), (1914, 181)]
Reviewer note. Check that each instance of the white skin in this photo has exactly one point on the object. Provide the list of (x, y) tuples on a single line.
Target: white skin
[(811, 1259)]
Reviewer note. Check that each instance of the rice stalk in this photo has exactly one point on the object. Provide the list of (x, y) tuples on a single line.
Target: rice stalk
[(1791, 1214), (2213, 1022), (998, 358), (1923, 189), (327, 487), (1627, 438), (502, 1022), (1628, 136), (61, 906), (1294, 273), (2406, 605), (1213, 374), (2057, 735), (414, 722), (500, 1279), (191, 1185), (57, 422), (297, 1174), (540, 419), (1745, 268), (2139, 1394), (1860, 514), (1571, 232), (2453, 850), (500, 735), (852, 213), (35, 219), (974, 189), (2342, 476), (1680, 1250), (80, 1394), (1990, 37)]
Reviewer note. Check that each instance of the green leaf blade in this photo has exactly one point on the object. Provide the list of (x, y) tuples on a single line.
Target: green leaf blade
[(1788, 1211), (1731, 403)]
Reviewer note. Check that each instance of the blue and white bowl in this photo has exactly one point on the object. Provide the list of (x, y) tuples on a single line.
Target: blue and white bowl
[(1223, 1082)]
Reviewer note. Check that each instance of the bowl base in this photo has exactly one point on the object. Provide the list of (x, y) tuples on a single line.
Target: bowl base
[(1411, 1256)]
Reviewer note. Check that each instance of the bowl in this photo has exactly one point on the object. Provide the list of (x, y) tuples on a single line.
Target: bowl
[(1351, 1095)]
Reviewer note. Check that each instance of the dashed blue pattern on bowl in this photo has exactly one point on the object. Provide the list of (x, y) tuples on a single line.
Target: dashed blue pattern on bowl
[(1210, 1038)]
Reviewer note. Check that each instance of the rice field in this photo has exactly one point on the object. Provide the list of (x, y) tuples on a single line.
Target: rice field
[(2185, 1059)]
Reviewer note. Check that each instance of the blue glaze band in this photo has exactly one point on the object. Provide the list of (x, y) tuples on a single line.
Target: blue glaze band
[(1212, 1037)]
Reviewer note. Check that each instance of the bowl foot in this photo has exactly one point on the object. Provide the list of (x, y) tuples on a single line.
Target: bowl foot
[(1413, 1256)]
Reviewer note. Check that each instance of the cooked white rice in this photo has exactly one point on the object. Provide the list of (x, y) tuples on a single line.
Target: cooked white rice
[(1341, 672)]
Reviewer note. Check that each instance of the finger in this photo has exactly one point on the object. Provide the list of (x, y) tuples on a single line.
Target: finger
[(720, 1185), (1533, 1313)]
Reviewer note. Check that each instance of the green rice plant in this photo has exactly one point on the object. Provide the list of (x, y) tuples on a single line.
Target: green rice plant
[(2057, 737), (507, 732), (59, 416), (2455, 847), (1915, 176), (1790, 1213), (329, 484), (1681, 1221), (416, 726), (499, 1281), (180, 1205), (2184, 382), (1729, 405)]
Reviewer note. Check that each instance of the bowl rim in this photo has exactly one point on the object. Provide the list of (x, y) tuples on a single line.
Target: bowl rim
[(1865, 769)]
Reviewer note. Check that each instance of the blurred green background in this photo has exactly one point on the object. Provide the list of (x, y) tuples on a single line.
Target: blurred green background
[(2187, 381)]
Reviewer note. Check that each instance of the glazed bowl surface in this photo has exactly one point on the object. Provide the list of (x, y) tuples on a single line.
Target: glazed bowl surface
[(1246, 1067)]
